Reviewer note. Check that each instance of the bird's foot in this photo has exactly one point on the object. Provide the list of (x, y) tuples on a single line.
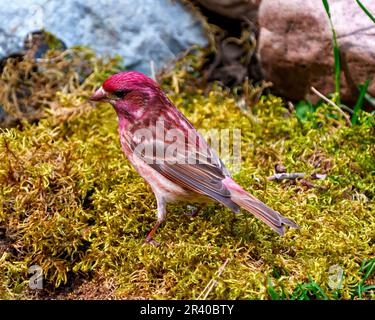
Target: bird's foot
[(193, 211), (152, 242)]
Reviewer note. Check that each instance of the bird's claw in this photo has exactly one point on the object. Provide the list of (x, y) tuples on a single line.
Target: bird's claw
[(193, 212), (151, 242)]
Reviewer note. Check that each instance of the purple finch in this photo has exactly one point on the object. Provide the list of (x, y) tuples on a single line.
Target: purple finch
[(169, 153)]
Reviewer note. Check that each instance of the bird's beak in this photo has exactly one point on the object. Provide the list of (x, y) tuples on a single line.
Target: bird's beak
[(99, 95)]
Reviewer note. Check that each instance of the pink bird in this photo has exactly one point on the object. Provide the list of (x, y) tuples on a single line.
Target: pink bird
[(185, 169)]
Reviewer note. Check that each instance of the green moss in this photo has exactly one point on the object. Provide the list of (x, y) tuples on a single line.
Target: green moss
[(72, 203)]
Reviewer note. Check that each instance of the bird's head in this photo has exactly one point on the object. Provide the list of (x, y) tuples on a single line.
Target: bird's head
[(128, 92)]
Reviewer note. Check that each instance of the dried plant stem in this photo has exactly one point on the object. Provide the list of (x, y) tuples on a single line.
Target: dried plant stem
[(54, 59), (347, 119), (286, 176), (153, 70), (311, 185), (213, 282)]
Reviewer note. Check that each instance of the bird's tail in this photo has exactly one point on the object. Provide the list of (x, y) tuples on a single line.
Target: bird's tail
[(250, 203)]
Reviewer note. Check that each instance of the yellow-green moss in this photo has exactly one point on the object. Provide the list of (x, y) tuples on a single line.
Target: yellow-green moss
[(72, 203)]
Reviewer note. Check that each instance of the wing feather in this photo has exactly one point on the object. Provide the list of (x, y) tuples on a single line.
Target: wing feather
[(203, 176)]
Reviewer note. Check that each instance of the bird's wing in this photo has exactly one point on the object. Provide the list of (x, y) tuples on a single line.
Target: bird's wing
[(175, 161)]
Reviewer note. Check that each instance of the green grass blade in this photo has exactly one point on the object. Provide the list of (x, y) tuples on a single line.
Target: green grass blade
[(366, 11), (368, 288), (359, 291), (370, 99), (283, 293), (315, 286), (326, 7), (301, 293), (337, 70), (359, 104), (336, 54), (371, 269), (367, 263), (271, 290)]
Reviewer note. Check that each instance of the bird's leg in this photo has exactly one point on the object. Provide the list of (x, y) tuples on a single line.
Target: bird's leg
[(194, 211), (162, 212), (149, 239)]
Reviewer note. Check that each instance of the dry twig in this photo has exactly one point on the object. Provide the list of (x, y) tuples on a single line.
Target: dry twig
[(311, 185), (153, 70), (321, 176), (347, 119), (213, 282), (286, 176)]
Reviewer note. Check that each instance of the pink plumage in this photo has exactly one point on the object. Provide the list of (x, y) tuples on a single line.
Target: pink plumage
[(182, 169)]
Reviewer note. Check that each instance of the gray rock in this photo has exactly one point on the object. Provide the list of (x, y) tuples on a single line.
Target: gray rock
[(2, 114), (137, 30), (295, 46)]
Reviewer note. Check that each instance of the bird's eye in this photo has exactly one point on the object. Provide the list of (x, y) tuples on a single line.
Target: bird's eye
[(120, 94)]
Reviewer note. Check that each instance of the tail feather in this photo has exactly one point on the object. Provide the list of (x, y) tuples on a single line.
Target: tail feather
[(272, 218)]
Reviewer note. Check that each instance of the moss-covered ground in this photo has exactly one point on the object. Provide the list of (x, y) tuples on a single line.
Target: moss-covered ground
[(71, 203)]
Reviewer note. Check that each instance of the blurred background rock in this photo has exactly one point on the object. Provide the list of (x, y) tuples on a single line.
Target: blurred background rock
[(286, 43), (294, 44), (139, 31)]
